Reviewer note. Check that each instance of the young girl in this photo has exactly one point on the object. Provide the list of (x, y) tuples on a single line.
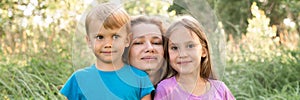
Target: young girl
[(189, 57)]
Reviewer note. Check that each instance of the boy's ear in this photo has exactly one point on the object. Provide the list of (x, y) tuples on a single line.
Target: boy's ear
[(88, 41), (128, 38)]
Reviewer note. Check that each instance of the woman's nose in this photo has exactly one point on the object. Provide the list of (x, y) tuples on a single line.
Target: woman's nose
[(149, 47)]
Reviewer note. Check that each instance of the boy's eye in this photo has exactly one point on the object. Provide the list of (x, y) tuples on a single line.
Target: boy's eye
[(99, 37), (115, 36)]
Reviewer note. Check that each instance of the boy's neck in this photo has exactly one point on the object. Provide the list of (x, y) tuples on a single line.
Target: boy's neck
[(109, 66)]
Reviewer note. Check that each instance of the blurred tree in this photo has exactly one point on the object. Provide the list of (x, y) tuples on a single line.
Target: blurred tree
[(234, 13), (146, 7)]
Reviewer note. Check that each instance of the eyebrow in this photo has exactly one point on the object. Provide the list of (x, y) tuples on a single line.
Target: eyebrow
[(172, 43), (154, 37)]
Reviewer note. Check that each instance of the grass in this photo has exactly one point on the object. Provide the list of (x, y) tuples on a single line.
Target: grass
[(277, 79), (39, 76)]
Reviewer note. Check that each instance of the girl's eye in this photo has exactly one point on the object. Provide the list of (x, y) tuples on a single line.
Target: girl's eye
[(115, 36), (174, 48), (99, 37), (190, 45)]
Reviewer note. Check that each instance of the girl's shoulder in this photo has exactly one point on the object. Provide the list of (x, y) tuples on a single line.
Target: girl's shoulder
[(170, 82), (218, 85), (215, 82), (221, 89)]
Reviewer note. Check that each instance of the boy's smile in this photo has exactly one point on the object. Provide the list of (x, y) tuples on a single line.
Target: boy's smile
[(108, 44), (108, 52)]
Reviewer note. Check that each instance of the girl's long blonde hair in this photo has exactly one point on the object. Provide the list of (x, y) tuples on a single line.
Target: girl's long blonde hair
[(188, 22)]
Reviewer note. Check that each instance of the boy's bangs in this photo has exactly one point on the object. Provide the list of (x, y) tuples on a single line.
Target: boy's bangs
[(117, 19)]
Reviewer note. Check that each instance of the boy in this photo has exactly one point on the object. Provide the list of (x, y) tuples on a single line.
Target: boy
[(109, 78)]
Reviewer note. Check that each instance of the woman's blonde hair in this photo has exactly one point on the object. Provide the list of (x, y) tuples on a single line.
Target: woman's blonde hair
[(193, 25), (109, 15)]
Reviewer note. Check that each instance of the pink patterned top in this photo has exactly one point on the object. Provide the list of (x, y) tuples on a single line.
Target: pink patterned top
[(168, 89)]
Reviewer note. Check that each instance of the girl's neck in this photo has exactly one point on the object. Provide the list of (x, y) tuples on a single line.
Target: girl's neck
[(193, 84)]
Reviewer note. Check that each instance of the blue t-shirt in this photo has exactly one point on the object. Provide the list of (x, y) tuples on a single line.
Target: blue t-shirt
[(127, 83)]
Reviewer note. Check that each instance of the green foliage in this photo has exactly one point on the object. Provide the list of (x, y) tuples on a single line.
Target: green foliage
[(39, 48), (260, 68), (276, 79), (37, 78), (234, 13), (147, 7), (36, 39)]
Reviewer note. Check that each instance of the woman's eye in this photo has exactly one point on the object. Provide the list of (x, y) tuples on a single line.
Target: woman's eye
[(99, 37), (157, 43), (137, 43), (115, 36)]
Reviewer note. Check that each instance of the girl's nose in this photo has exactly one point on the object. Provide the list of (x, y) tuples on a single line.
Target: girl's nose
[(182, 54)]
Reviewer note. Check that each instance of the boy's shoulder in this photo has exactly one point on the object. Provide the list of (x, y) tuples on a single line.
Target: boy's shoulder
[(85, 70), (135, 70)]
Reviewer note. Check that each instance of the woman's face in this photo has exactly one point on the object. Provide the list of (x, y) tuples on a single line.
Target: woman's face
[(146, 49)]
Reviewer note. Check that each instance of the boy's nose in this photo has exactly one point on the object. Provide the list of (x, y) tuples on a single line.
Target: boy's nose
[(108, 43)]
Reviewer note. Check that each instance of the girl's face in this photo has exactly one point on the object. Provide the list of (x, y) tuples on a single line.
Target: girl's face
[(185, 51), (146, 49)]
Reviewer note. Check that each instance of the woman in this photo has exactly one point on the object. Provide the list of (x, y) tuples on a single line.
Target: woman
[(146, 49)]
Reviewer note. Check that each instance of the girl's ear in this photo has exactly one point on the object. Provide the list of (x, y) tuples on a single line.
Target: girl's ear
[(204, 52), (88, 41), (128, 38)]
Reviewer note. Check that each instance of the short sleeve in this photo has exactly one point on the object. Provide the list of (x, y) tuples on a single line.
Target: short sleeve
[(160, 93), (71, 89), (227, 94), (146, 85)]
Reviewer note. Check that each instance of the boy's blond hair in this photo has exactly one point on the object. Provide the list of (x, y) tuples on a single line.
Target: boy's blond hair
[(109, 16)]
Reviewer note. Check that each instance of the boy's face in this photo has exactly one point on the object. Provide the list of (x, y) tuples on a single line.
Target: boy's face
[(108, 44)]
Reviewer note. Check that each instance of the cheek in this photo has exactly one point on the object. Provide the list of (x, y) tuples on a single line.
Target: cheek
[(172, 56), (160, 50), (134, 52), (96, 45)]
